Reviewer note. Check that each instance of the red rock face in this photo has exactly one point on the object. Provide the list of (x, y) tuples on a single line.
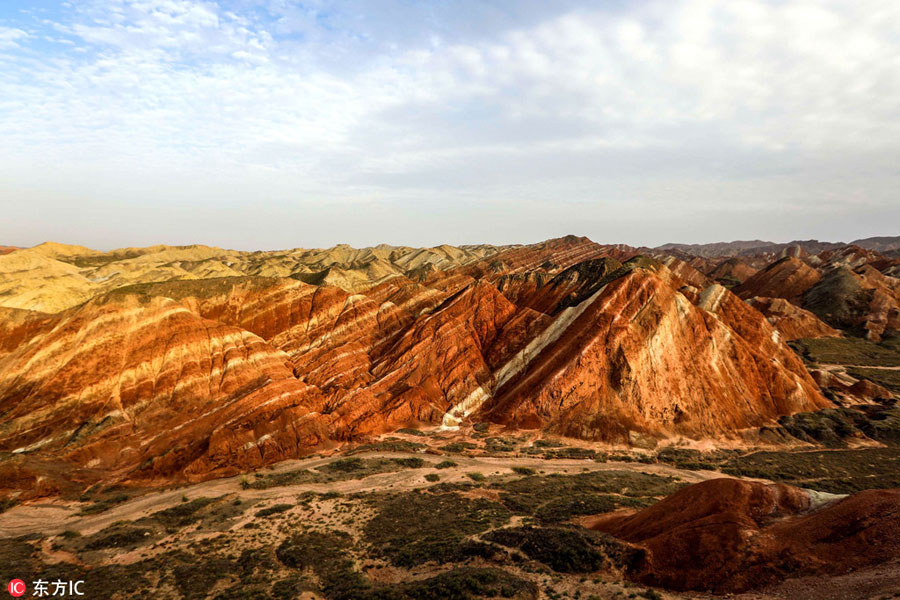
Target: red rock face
[(550, 294), (787, 278), (199, 377), (686, 273), (727, 535), (131, 384), (791, 321), (849, 288), (638, 356), (733, 270)]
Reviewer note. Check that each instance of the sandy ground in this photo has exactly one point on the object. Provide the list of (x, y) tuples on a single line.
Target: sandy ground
[(54, 517)]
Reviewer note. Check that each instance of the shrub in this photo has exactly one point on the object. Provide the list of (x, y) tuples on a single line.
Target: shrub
[(567, 550), (457, 447), (410, 431), (272, 510), (413, 528)]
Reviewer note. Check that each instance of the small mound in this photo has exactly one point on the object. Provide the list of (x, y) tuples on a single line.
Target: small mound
[(749, 503), (726, 535)]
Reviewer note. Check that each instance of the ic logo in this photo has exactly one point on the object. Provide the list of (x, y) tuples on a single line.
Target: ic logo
[(16, 588)]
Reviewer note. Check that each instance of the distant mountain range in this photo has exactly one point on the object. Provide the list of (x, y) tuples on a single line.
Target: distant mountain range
[(752, 247)]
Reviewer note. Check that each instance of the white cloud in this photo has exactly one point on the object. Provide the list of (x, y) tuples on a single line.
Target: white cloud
[(791, 102), (10, 37)]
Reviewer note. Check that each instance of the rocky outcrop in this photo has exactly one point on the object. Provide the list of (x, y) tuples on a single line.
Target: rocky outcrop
[(848, 287), (731, 272), (841, 427), (727, 535), (686, 273), (550, 294), (129, 384), (32, 281), (787, 278), (791, 321), (846, 389), (864, 302), (637, 355)]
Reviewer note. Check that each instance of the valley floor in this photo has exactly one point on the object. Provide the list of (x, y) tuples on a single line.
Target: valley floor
[(431, 515)]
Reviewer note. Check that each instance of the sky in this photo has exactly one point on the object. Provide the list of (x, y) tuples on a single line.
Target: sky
[(264, 124)]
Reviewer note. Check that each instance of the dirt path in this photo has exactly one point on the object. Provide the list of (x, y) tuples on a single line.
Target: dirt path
[(831, 366), (52, 518)]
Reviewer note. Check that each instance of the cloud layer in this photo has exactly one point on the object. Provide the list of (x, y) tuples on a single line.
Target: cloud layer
[(260, 124)]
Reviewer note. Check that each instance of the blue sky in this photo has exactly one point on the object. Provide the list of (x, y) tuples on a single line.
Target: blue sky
[(272, 123)]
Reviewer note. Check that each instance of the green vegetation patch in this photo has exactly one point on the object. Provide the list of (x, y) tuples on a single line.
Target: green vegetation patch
[(118, 535), (839, 299), (835, 471), (585, 453), (274, 510), (413, 528), (499, 444), (182, 515), (463, 583), (568, 549), (410, 431), (7, 503), (556, 498), (224, 568), (110, 581), (467, 583), (847, 351), (695, 460), (389, 445), (195, 579), (831, 427), (320, 552), (360, 466), (209, 287), (883, 377), (457, 447), (103, 504), (328, 555), (339, 470), (547, 444), (207, 512), (835, 427)]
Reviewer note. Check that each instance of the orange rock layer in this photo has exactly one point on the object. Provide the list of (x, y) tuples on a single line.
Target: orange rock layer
[(210, 376)]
